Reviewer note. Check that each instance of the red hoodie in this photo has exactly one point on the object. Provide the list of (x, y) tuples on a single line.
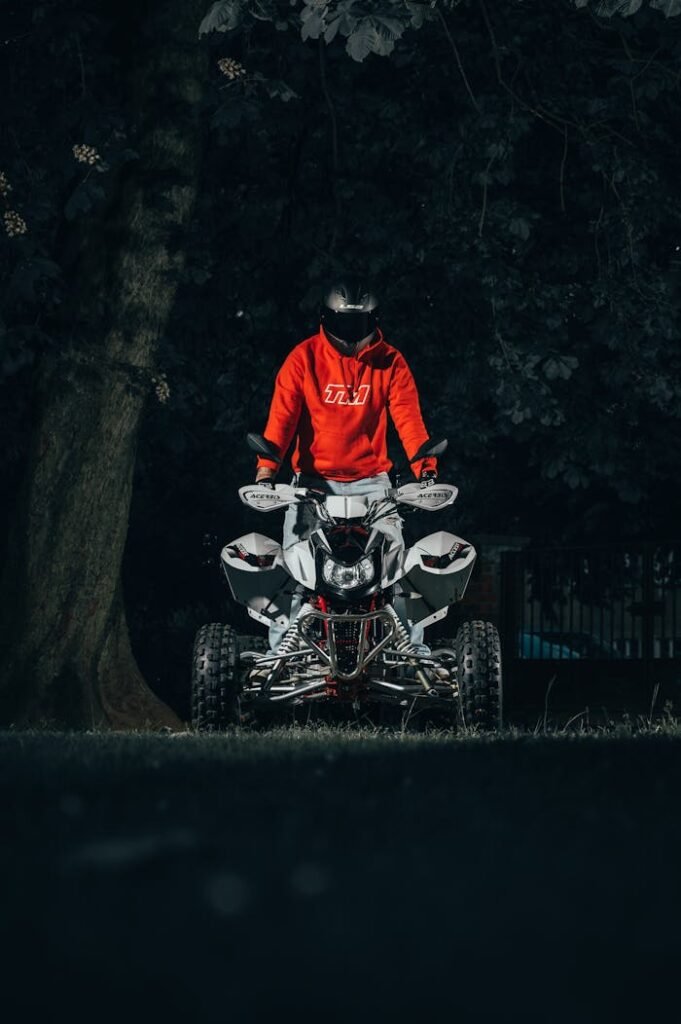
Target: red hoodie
[(339, 406)]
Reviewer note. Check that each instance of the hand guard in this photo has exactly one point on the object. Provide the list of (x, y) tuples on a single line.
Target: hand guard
[(266, 482)]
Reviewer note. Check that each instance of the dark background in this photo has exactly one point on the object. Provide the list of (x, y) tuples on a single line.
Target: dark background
[(508, 178)]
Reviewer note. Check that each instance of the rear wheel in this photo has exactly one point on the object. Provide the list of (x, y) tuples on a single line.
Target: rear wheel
[(478, 674), (215, 678)]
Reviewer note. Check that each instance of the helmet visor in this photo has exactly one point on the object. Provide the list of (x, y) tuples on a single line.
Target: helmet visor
[(349, 327)]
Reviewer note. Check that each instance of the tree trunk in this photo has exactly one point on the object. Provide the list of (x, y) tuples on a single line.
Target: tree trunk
[(66, 655)]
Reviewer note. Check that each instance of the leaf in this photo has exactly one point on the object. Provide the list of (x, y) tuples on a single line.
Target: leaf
[(383, 46), (28, 273), (417, 14), (629, 491), (313, 24), (124, 156), (391, 28), (670, 8), (362, 41), (45, 268), (332, 29), (554, 468), (78, 202), (233, 112), (199, 275), (520, 228), (575, 478), (348, 24), (560, 366), (255, 10), (625, 8), (276, 88), (519, 415), (82, 199), (15, 359), (223, 16)]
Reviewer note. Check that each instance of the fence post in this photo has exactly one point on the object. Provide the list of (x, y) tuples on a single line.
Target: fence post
[(647, 611), (511, 567)]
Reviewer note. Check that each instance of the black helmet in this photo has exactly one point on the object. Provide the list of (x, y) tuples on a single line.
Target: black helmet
[(349, 311)]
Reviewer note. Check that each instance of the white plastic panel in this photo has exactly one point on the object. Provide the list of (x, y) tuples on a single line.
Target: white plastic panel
[(436, 588), (346, 508), (264, 589), (299, 560), (254, 544)]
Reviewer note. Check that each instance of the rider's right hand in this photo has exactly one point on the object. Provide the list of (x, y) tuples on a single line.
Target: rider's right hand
[(265, 477)]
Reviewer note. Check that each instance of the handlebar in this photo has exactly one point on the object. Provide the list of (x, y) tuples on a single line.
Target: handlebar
[(269, 499)]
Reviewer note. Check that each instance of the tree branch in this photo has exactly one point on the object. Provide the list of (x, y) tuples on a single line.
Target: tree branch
[(562, 171), (553, 121), (457, 57), (483, 211)]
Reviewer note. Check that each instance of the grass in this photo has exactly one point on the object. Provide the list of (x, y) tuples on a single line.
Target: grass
[(342, 874)]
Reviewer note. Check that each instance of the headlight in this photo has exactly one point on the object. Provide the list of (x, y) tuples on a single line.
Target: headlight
[(348, 576)]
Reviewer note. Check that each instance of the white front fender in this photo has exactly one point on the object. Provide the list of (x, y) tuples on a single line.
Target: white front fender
[(436, 573)]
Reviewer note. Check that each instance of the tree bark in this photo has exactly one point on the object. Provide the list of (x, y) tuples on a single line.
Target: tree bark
[(66, 658)]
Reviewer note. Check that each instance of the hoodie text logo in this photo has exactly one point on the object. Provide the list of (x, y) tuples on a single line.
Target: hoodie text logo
[(339, 394)]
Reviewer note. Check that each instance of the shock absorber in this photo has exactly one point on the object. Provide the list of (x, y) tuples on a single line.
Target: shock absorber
[(406, 647), (290, 642)]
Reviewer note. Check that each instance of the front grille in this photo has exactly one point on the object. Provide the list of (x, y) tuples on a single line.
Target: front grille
[(340, 636), (346, 636)]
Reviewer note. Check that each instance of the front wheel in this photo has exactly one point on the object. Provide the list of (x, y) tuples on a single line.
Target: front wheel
[(215, 678), (478, 674)]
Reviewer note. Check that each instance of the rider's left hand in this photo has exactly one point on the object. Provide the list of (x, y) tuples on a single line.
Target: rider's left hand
[(428, 478)]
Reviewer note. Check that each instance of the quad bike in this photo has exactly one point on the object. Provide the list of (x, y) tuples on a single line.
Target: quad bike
[(336, 593)]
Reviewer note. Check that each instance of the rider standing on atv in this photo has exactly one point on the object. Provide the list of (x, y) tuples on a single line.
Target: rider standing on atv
[(333, 393)]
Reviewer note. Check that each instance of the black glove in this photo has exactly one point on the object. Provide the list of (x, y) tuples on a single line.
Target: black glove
[(267, 481), (428, 478)]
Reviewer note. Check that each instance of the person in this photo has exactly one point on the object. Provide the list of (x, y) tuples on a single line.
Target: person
[(333, 394)]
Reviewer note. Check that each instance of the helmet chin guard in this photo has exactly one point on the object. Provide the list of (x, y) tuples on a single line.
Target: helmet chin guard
[(348, 348)]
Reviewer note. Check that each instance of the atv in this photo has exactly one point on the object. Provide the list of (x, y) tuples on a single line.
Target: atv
[(336, 592)]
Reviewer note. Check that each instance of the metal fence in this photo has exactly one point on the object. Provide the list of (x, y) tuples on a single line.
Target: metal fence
[(618, 603)]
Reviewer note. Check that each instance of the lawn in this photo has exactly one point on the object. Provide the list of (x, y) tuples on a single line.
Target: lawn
[(341, 875)]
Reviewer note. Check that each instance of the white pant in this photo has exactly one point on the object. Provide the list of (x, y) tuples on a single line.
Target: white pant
[(300, 520)]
